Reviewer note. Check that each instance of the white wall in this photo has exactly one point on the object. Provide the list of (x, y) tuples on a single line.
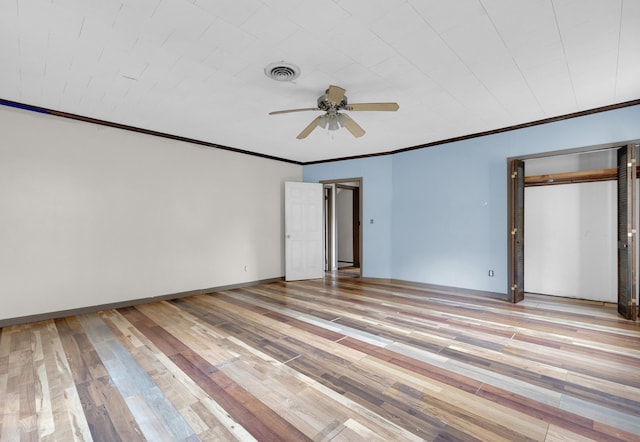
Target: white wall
[(573, 162), (91, 215), (571, 239)]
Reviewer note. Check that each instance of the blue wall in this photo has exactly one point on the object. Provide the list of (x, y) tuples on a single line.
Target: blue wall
[(441, 212), (377, 189)]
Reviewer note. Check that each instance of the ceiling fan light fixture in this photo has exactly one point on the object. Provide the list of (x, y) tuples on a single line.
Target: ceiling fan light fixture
[(282, 71), (331, 121)]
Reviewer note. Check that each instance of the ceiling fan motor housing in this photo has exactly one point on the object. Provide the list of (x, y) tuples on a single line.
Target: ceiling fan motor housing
[(325, 104)]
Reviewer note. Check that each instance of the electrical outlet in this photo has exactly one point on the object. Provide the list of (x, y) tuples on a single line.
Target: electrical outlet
[(491, 273)]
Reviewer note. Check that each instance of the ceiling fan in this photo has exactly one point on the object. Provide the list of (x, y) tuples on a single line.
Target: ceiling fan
[(333, 101)]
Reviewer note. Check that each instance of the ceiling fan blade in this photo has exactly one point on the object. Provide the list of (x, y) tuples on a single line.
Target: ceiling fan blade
[(335, 94), (294, 110), (307, 130), (372, 107), (352, 126)]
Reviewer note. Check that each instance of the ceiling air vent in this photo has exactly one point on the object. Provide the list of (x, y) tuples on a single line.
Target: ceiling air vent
[(282, 71)]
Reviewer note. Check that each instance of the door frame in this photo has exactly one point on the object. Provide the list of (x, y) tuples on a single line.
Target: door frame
[(328, 227), (332, 219), (512, 206), (355, 221)]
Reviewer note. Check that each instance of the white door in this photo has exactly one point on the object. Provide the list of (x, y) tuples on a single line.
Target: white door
[(304, 250)]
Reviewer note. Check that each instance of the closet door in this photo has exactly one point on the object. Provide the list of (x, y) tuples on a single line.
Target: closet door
[(627, 232)]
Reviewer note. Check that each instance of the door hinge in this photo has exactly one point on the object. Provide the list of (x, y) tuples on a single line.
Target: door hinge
[(514, 287), (514, 231), (514, 174)]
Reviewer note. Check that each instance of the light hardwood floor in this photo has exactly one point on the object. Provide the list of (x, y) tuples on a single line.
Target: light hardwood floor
[(335, 359)]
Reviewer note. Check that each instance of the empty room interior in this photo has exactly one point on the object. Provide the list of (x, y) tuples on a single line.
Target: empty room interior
[(338, 220)]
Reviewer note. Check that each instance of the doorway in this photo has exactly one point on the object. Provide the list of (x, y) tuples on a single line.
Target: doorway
[(570, 228), (343, 226), (624, 171)]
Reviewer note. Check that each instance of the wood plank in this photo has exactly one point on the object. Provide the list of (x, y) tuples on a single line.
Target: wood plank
[(340, 359), (152, 412), (208, 419), (239, 403), (584, 176), (54, 386), (105, 410)]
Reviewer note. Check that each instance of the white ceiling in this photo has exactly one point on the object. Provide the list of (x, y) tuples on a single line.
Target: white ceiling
[(195, 68)]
